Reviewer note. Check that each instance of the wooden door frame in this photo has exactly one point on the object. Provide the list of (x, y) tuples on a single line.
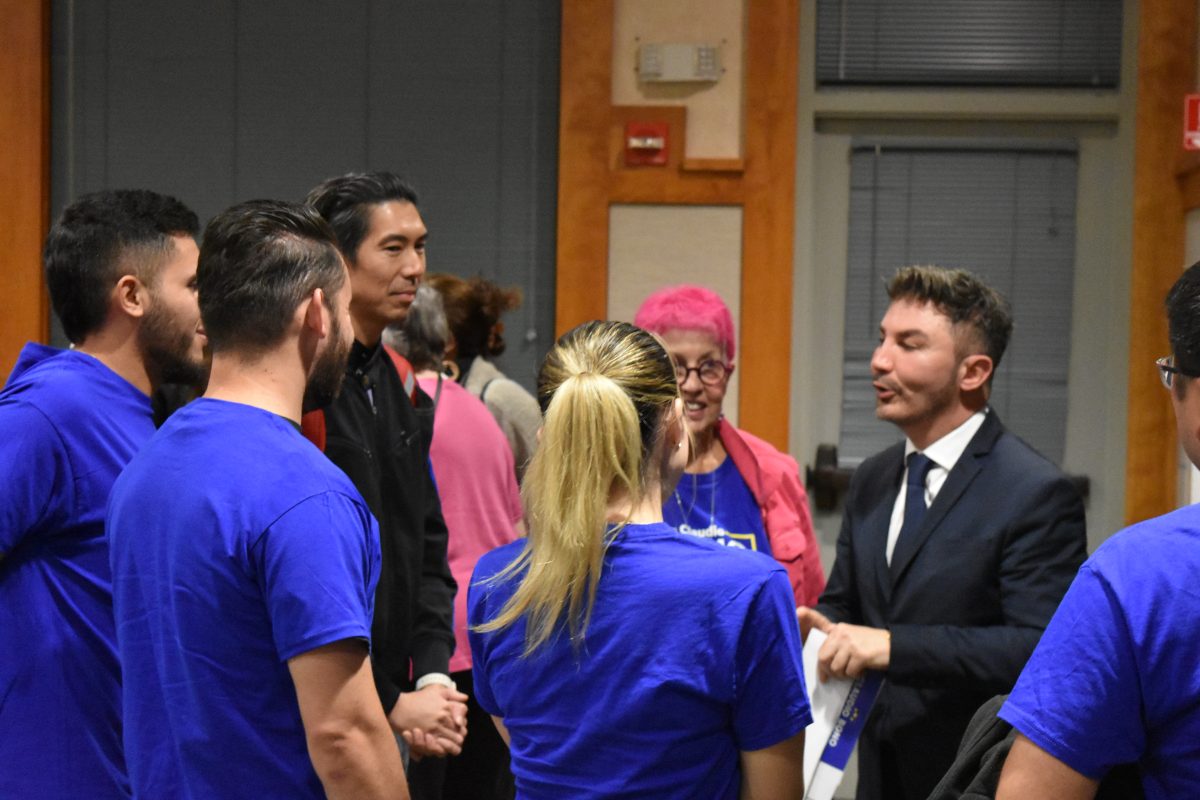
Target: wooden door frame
[(24, 174), (762, 183), (1166, 185)]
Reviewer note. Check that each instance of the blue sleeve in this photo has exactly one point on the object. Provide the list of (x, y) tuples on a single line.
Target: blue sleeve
[(318, 565), (477, 614), (1079, 697), (34, 474), (770, 699)]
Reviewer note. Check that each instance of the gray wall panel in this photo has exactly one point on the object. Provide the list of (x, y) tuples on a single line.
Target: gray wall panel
[(169, 102), (302, 73), (233, 99)]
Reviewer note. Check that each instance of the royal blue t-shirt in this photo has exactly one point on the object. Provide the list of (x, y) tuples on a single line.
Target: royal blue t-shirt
[(70, 425), (692, 655), (718, 505), (1116, 676), (236, 545)]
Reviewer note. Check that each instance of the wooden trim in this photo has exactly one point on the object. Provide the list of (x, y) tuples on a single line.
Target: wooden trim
[(768, 219), (592, 176), (1166, 72), (1189, 190), (674, 116), (585, 99), (677, 188), (24, 174), (670, 183), (713, 165)]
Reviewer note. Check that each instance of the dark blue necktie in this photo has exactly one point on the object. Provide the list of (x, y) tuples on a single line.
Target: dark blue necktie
[(914, 497)]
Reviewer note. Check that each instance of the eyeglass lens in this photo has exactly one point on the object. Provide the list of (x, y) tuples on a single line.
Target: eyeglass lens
[(710, 372)]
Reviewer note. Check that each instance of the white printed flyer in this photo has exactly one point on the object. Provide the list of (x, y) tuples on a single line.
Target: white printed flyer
[(839, 707)]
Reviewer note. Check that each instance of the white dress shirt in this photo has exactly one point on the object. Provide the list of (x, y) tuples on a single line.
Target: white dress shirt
[(944, 453)]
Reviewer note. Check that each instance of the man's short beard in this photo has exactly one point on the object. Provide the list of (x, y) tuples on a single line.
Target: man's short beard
[(166, 348), (328, 372)]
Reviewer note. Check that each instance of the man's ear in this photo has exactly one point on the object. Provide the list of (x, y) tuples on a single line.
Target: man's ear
[(131, 296), (315, 315), (974, 372)]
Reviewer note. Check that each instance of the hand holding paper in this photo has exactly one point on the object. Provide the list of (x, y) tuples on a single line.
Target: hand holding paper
[(848, 649), (840, 708)]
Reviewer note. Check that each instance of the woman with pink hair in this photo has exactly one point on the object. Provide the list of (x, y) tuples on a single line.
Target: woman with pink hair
[(737, 490)]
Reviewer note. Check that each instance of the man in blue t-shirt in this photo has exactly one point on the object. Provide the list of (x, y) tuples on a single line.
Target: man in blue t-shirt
[(1116, 677), (121, 270), (244, 563)]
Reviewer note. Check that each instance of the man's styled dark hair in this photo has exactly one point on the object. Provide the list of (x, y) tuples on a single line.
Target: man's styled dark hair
[(99, 238), (258, 261), (346, 202), (963, 298), (1183, 321)]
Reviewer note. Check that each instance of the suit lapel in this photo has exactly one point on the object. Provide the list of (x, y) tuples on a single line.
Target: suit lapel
[(968, 467), (880, 519)]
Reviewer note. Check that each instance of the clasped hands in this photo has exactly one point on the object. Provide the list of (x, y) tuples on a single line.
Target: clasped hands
[(432, 720), (848, 649)]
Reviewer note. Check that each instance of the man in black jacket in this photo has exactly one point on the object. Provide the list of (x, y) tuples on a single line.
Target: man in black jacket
[(379, 432), (957, 544)]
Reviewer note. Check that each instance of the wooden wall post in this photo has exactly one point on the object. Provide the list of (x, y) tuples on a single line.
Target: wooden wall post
[(1166, 72), (24, 174), (762, 183)]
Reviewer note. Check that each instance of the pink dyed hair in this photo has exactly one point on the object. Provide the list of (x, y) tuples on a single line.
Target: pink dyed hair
[(688, 307)]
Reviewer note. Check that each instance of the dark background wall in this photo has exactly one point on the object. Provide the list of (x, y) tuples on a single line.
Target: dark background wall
[(228, 100)]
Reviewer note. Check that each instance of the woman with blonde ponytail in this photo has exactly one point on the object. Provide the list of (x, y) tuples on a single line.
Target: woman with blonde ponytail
[(619, 658)]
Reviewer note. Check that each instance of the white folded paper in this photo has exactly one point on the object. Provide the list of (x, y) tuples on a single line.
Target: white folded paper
[(839, 707)]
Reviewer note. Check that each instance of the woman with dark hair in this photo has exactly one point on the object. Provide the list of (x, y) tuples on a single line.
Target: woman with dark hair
[(619, 658), (473, 310), (473, 467)]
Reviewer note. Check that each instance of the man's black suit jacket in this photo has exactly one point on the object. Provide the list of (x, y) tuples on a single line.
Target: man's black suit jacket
[(965, 598)]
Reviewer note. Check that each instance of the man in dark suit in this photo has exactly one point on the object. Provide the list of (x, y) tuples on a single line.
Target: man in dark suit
[(956, 546)]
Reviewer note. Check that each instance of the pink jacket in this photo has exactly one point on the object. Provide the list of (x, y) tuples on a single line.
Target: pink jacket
[(774, 480)]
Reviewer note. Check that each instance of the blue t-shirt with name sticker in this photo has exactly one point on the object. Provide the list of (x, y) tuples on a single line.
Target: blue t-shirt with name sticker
[(1116, 676), (718, 505), (236, 545), (70, 425), (692, 654)]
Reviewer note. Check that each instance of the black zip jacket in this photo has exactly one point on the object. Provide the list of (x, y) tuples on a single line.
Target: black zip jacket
[(378, 438)]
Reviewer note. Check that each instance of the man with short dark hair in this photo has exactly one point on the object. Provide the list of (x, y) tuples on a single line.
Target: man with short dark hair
[(1116, 677), (956, 545), (375, 433), (121, 270), (244, 563)]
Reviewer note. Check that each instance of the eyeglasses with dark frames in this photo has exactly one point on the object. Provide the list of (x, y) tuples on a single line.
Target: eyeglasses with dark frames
[(1167, 371), (710, 372)]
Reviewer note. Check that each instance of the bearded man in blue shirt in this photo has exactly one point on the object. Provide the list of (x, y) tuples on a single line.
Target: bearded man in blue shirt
[(244, 563), (121, 271)]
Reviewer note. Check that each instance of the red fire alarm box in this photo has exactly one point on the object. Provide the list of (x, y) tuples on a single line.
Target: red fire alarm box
[(646, 144), (1191, 122)]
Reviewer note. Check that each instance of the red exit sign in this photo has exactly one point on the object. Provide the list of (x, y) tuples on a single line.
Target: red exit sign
[(1191, 122)]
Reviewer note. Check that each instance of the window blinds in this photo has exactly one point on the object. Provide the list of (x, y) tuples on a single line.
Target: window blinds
[(1006, 215), (1052, 43)]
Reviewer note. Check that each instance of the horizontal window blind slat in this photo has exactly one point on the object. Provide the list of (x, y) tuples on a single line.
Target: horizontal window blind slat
[(957, 42), (1006, 215)]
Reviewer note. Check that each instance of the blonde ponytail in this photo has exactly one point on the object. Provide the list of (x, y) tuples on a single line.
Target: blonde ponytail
[(605, 389)]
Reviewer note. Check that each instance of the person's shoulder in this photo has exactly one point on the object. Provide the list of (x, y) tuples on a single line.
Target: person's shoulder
[(696, 560), (505, 391), (62, 381), (497, 559), (1169, 543), (764, 452), (1018, 456)]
